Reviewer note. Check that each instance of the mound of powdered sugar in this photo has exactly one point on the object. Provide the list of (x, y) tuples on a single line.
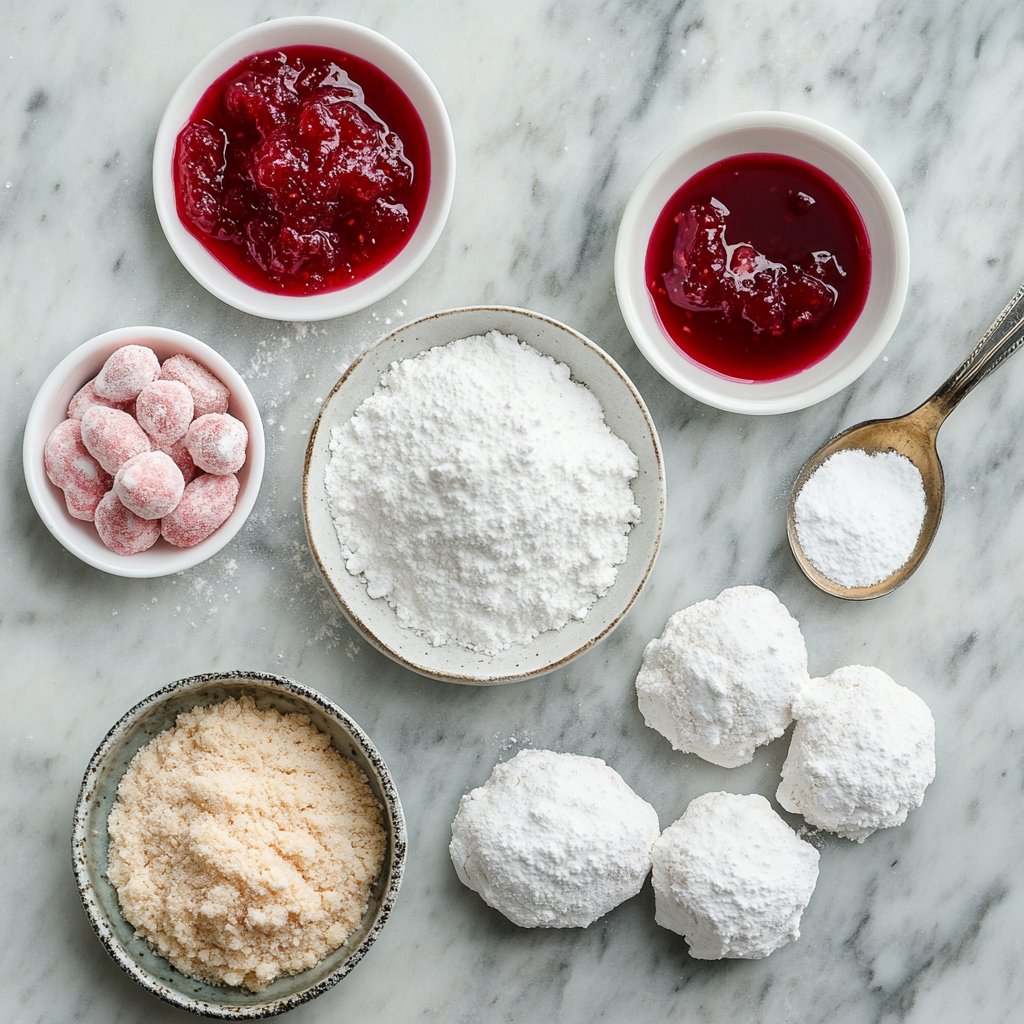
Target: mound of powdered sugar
[(732, 877), (480, 492), (862, 753), (553, 840), (859, 515), (720, 680)]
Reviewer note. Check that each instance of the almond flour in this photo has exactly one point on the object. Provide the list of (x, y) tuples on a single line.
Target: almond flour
[(242, 845)]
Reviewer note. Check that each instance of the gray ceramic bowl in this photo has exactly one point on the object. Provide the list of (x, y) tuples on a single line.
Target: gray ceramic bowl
[(89, 844), (626, 415)]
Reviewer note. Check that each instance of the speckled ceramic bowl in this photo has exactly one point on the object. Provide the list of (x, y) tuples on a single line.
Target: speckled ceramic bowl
[(626, 415), (90, 840)]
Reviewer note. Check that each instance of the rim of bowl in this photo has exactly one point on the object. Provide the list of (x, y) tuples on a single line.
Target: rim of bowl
[(887, 234), (336, 34), (352, 614), (49, 408), (392, 867)]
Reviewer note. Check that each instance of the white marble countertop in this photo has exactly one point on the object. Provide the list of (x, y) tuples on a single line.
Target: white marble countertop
[(557, 109)]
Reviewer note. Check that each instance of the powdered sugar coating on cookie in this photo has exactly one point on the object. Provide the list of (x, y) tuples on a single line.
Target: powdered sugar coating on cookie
[(862, 753), (732, 877), (720, 680), (553, 840)]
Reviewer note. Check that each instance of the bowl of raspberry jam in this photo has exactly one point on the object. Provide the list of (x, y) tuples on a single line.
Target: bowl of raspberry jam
[(762, 263), (304, 169)]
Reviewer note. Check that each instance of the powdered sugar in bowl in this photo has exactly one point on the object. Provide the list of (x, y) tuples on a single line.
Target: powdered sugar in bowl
[(498, 537)]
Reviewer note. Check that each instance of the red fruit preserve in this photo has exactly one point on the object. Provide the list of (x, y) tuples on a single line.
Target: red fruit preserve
[(302, 170), (758, 266)]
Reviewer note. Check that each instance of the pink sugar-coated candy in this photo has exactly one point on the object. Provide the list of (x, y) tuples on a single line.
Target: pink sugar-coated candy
[(217, 443), (179, 452), (82, 501), (149, 484), (70, 467), (112, 437), (126, 372), (85, 398), (204, 507), (208, 393), (122, 530), (67, 460), (164, 411)]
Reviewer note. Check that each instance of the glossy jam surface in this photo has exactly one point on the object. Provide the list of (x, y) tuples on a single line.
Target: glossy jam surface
[(302, 170), (758, 267)]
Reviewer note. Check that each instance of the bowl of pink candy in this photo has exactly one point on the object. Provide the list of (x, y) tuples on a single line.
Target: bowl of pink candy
[(143, 452)]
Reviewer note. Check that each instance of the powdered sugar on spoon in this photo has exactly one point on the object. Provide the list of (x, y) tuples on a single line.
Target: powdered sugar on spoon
[(912, 436)]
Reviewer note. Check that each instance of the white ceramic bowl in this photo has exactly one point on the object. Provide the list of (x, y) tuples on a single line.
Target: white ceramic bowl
[(50, 407), (90, 841), (626, 416), (866, 185), (338, 35)]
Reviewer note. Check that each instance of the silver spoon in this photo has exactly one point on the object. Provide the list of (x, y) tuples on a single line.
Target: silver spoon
[(913, 435)]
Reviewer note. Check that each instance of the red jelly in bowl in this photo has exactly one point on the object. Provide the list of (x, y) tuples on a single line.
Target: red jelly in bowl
[(758, 267), (302, 170)]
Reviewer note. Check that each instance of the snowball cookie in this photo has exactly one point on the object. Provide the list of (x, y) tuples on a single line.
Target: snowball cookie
[(553, 840), (720, 680), (732, 877), (862, 754)]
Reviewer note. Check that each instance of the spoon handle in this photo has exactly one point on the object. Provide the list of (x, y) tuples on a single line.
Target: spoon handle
[(1001, 340)]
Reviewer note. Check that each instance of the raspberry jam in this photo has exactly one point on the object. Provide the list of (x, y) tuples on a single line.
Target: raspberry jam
[(758, 267), (302, 170)]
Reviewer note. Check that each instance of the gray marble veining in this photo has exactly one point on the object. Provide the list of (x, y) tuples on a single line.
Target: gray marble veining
[(557, 108)]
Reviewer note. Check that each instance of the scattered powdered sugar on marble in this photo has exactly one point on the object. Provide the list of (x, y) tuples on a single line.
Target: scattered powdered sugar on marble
[(862, 753), (859, 515), (732, 877), (720, 680), (480, 492), (553, 840)]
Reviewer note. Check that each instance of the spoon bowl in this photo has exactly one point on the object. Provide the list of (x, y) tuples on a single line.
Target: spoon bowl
[(909, 436), (913, 436)]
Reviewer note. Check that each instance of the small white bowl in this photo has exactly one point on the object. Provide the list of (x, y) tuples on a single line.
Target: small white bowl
[(50, 407), (863, 181), (132, 954), (338, 35), (627, 417)]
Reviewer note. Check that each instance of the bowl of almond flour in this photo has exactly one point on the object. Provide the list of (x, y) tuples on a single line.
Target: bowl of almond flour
[(484, 494), (238, 844)]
